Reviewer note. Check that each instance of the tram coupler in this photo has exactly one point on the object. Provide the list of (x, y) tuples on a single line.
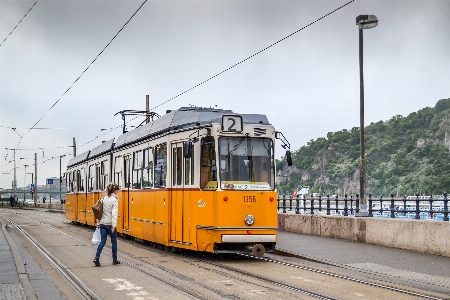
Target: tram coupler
[(257, 250)]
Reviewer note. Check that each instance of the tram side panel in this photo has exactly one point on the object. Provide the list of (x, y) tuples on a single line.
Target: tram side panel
[(71, 198), (150, 215)]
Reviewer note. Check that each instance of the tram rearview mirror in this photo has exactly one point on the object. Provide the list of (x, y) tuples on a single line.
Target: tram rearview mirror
[(187, 149), (288, 158)]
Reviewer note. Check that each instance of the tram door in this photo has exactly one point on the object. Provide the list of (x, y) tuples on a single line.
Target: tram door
[(126, 194), (180, 197), (90, 197)]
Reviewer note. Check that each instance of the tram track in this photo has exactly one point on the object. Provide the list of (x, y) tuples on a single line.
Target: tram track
[(60, 267), (79, 286), (348, 278), (252, 275)]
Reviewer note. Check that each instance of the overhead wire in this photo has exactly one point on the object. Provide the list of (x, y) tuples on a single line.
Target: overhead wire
[(210, 78), (251, 56), (220, 73), (82, 73), (18, 23)]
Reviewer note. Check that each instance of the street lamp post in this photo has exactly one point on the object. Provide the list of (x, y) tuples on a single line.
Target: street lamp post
[(60, 178), (32, 182), (24, 183), (15, 179), (363, 22)]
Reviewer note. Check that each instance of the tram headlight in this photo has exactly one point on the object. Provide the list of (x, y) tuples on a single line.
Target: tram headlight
[(249, 220)]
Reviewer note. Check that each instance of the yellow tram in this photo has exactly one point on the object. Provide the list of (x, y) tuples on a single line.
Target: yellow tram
[(201, 179)]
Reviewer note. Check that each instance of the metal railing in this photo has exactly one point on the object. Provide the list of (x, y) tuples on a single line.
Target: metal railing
[(413, 207)]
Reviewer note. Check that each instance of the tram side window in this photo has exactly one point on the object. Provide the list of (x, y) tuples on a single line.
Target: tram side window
[(81, 180), (126, 171), (118, 171), (147, 175), (69, 181), (73, 186), (104, 174), (177, 172), (161, 165), (138, 166), (208, 173), (189, 169), (97, 177), (91, 178)]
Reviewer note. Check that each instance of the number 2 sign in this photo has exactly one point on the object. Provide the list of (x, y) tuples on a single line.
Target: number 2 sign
[(231, 123)]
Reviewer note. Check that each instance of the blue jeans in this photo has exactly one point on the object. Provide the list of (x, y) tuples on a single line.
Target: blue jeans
[(104, 231)]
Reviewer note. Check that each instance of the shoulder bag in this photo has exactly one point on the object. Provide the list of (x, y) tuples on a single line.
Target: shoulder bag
[(98, 209)]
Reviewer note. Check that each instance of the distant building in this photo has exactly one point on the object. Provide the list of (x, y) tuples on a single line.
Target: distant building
[(55, 185)]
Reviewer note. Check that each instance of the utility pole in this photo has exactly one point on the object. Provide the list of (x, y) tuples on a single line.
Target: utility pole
[(74, 148), (35, 178), (24, 183), (147, 109), (15, 179), (60, 178)]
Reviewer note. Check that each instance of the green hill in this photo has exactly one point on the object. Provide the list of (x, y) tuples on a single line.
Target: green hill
[(404, 155)]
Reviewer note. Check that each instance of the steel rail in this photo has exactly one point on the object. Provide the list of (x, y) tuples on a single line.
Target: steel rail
[(293, 288), (185, 290), (302, 291), (82, 289), (370, 283)]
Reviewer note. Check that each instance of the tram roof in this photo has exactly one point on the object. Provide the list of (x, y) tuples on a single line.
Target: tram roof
[(183, 118), (79, 158), (102, 148)]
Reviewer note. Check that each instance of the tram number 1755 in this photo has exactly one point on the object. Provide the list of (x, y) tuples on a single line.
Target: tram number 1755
[(249, 198)]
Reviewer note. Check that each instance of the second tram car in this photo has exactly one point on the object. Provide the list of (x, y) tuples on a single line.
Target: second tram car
[(201, 179)]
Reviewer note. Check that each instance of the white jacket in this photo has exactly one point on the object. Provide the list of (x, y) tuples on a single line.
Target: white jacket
[(110, 210)]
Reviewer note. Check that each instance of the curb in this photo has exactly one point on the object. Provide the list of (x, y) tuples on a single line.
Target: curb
[(23, 275)]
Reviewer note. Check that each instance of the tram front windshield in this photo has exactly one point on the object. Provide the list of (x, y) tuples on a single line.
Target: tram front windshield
[(246, 163)]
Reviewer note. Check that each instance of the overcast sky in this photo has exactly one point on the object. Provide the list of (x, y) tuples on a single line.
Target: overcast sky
[(307, 85)]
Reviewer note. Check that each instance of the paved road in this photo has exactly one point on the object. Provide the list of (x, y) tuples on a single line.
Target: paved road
[(370, 262), (418, 270)]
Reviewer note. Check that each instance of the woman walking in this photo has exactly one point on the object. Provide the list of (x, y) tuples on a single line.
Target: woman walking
[(108, 223)]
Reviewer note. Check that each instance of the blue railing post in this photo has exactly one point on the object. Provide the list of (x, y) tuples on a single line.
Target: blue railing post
[(370, 206), (320, 204), (417, 207), (381, 205), (431, 206), (284, 204), (345, 205), (337, 205), (328, 205), (445, 207), (351, 204), (357, 204), (404, 205), (392, 206), (312, 205), (304, 204), (297, 206)]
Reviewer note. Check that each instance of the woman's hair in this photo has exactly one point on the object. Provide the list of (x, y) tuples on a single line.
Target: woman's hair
[(111, 187)]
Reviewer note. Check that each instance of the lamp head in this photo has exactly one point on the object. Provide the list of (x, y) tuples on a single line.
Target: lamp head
[(366, 21)]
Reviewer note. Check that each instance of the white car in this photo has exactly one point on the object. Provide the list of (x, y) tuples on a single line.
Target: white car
[(29, 201)]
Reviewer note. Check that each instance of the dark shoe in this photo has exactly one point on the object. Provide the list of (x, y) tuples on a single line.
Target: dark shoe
[(97, 262), (116, 262)]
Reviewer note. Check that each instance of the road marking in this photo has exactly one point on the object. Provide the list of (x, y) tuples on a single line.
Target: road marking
[(124, 285)]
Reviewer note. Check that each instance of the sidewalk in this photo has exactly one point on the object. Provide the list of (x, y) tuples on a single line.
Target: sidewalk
[(11, 283), (21, 276), (415, 269)]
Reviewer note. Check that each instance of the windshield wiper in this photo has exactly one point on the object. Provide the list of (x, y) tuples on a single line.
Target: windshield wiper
[(237, 145)]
